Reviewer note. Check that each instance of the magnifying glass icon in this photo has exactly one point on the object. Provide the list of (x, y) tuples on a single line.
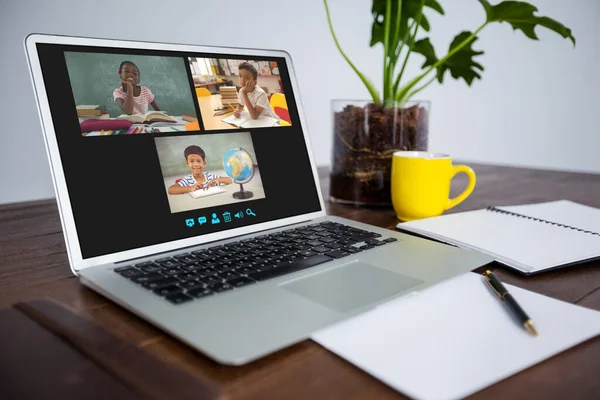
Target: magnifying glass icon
[(250, 212)]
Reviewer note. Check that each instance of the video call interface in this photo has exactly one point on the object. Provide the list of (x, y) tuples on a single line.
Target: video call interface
[(158, 146)]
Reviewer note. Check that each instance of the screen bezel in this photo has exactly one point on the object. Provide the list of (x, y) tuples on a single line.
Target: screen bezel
[(76, 261)]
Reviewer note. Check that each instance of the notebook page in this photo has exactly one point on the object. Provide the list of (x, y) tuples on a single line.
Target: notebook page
[(234, 120), (533, 244), (415, 343), (207, 192), (563, 212), (260, 122)]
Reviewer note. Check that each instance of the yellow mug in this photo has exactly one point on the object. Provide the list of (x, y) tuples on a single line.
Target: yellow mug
[(421, 184)]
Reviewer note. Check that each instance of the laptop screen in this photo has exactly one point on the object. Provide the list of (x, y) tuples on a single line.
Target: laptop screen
[(158, 146)]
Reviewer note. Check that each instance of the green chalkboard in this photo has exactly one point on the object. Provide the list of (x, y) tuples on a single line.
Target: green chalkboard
[(94, 76), (170, 150)]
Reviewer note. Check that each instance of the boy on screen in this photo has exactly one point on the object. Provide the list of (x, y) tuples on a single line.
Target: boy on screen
[(195, 159), (252, 96)]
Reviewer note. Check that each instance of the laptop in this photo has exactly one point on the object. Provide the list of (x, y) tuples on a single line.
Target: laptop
[(235, 276)]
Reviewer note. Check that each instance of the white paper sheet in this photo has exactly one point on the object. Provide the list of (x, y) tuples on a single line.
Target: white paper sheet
[(456, 338)]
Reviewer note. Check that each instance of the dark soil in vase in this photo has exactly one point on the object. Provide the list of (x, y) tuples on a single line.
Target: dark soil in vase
[(365, 139)]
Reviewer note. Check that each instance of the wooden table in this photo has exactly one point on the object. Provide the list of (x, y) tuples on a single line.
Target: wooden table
[(207, 109), (33, 263)]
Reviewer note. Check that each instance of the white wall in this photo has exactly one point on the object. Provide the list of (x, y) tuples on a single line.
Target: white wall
[(537, 104)]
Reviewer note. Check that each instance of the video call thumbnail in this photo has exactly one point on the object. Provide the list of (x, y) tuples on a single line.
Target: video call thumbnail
[(130, 94), (239, 93), (201, 171)]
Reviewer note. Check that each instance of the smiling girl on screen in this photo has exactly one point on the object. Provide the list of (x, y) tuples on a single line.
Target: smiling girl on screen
[(133, 99)]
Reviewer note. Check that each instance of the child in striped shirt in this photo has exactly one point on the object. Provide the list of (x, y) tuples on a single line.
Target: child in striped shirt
[(133, 99), (195, 159)]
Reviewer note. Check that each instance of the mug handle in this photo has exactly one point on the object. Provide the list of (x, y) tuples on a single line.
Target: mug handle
[(461, 197)]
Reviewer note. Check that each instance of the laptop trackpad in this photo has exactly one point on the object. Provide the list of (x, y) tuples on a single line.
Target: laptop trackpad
[(351, 286)]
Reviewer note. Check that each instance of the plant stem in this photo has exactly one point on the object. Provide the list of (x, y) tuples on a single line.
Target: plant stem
[(397, 82), (417, 90), (412, 43), (402, 95), (386, 49), (362, 77), (395, 50)]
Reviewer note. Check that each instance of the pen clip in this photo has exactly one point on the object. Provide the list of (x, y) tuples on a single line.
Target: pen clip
[(489, 283)]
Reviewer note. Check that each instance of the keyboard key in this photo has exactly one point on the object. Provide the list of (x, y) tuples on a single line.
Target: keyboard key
[(131, 273), (170, 263), (334, 245), (220, 287), (321, 249), (158, 284), (212, 279), (328, 240), (186, 276), (324, 234), (390, 240), (204, 256), (205, 271), (178, 298), (351, 250), (190, 284), (226, 267), (312, 237), (307, 253), (172, 271), (123, 269), (199, 292), (167, 290), (360, 237), (294, 266), (263, 266), (374, 242), (142, 265), (245, 270), (208, 263), (239, 282), (228, 275), (152, 268), (186, 258), (337, 254), (148, 278), (366, 247)]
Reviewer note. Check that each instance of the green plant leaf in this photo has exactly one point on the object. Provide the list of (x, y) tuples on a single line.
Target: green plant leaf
[(425, 48), (520, 15), (410, 11), (461, 64)]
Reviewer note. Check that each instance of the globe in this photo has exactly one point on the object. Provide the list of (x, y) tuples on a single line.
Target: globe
[(239, 166)]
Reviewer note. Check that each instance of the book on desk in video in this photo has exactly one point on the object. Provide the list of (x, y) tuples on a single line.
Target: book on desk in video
[(529, 238), (151, 117)]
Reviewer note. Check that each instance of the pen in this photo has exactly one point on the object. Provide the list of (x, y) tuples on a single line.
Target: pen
[(500, 291)]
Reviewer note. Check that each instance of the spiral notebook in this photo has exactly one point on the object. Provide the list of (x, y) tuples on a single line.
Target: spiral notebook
[(529, 238)]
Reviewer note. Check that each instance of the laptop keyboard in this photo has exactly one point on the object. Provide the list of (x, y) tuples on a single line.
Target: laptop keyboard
[(216, 269)]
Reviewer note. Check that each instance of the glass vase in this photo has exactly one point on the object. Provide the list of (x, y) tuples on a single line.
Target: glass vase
[(365, 136)]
